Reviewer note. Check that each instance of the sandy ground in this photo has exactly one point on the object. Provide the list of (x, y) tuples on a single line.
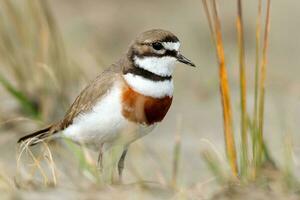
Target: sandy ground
[(103, 29)]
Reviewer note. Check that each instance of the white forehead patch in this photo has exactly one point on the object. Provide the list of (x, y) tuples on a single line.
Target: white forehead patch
[(162, 66), (171, 45)]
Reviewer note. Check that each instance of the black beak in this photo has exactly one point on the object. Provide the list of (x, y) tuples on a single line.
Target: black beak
[(184, 60)]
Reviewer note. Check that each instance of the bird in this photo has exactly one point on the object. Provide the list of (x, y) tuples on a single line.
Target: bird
[(125, 102)]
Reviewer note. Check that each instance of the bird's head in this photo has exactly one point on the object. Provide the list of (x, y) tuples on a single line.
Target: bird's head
[(157, 51)]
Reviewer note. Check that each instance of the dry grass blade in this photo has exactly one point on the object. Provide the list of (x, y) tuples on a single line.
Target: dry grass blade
[(36, 164), (210, 22), (214, 165), (5, 184), (215, 27), (30, 173), (243, 91), (262, 83), (49, 158), (176, 153), (31, 43)]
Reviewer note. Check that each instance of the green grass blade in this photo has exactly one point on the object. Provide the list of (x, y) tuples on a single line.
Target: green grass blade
[(26, 104)]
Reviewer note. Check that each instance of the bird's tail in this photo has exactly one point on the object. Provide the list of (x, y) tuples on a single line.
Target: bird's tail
[(37, 136)]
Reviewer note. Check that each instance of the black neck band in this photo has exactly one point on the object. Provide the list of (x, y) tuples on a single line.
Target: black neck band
[(147, 74)]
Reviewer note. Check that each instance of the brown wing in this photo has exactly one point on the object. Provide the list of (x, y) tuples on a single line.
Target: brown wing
[(83, 103), (89, 96)]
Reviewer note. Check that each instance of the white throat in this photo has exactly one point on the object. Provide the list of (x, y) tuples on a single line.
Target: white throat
[(162, 66), (150, 88)]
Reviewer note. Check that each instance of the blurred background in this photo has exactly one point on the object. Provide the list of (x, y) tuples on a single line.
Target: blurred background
[(50, 50)]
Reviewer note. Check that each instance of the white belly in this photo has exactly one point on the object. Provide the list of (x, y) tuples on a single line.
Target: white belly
[(105, 123)]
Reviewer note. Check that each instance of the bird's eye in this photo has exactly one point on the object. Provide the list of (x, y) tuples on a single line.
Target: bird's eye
[(157, 46)]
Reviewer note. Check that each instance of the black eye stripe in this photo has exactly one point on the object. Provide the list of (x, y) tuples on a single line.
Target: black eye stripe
[(171, 53), (157, 46)]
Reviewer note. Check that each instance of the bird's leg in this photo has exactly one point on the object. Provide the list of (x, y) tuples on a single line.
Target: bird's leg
[(108, 160), (121, 164)]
